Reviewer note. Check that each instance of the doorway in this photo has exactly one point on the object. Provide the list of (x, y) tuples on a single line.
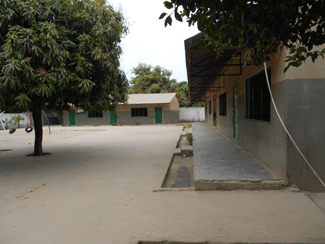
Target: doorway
[(72, 117), (113, 118), (158, 115)]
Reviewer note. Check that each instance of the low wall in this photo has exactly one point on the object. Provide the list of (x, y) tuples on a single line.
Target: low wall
[(192, 114), (9, 116)]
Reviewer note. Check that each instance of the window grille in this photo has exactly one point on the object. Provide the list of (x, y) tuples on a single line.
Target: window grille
[(258, 101), (95, 114), (139, 112), (223, 104)]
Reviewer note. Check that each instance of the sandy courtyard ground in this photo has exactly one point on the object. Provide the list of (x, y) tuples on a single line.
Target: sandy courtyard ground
[(97, 187)]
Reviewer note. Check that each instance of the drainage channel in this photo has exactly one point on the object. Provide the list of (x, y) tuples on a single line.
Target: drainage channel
[(180, 172)]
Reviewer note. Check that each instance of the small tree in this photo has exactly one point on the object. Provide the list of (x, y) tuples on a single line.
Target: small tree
[(55, 53), (7, 122), (17, 119)]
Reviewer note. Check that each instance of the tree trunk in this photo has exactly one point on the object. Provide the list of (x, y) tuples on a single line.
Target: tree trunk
[(37, 117)]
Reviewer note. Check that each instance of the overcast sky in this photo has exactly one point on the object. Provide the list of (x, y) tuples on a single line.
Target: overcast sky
[(149, 41)]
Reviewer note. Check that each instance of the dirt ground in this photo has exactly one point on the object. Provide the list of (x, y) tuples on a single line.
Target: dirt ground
[(97, 187)]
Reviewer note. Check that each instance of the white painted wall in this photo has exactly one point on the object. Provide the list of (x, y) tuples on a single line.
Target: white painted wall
[(22, 123), (192, 114)]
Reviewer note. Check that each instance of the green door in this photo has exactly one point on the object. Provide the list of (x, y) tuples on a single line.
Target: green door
[(113, 117), (235, 111), (158, 115), (72, 117)]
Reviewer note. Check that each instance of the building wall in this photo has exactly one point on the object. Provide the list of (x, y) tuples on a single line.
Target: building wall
[(308, 70), (299, 95), (266, 140), (192, 114), (209, 115), (150, 107), (82, 119), (54, 119), (124, 115), (174, 104), (306, 116)]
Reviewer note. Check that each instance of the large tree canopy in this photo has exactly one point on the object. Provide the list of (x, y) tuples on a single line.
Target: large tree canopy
[(57, 53), (148, 79), (261, 25)]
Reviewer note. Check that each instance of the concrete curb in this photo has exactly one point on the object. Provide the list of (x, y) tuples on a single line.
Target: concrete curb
[(163, 177), (205, 185)]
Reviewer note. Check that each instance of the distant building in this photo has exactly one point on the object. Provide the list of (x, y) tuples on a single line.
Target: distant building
[(154, 108)]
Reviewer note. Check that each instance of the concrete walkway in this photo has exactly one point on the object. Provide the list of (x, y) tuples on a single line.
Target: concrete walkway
[(219, 163), (97, 187)]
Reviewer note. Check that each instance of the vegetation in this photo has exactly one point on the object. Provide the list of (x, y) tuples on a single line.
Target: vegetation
[(7, 121), (17, 119), (150, 79), (260, 27), (54, 53), (189, 138)]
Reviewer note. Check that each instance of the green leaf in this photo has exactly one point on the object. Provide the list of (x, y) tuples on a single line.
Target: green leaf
[(286, 68), (178, 17), (168, 5), (162, 15), (168, 21)]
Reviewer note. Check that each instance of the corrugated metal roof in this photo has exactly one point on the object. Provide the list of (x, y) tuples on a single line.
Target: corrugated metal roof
[(203, 68), (150, 98)]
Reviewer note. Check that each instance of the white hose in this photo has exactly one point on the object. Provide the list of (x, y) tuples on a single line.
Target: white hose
[(4, 128), (285, 128)]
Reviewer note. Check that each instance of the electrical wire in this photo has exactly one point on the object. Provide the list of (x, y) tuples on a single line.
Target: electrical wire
[(285, 128)]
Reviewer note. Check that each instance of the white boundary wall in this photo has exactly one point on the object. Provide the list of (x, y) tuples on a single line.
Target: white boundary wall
[(22, 123), (192, 114)]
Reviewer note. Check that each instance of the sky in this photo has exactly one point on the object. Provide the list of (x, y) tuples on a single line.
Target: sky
[(149, 41)]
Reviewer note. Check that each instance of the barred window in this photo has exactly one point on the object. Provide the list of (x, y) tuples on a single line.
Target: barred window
[(258, 100), (223, 104), (95, 114), (139, 112)]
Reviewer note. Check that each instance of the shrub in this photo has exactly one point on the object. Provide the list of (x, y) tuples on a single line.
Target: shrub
[(189, 138)]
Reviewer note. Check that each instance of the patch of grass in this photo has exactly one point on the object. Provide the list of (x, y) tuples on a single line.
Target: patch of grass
[(189, 138), (136, 122)]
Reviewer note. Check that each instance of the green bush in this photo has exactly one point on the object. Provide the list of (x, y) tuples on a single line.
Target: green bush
[(189, 138)]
